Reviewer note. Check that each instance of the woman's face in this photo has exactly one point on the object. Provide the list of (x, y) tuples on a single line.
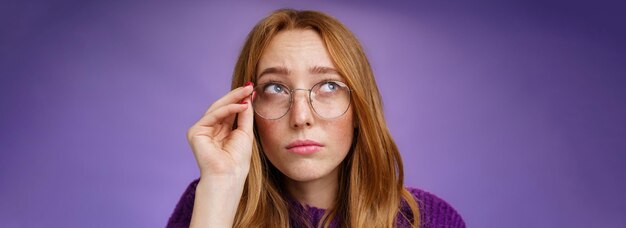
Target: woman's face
[(294, 58)]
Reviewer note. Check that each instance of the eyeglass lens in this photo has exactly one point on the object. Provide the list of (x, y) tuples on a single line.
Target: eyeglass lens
[(329, 99)]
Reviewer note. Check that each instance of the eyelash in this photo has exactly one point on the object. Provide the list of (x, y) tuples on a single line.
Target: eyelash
[(328, 79)]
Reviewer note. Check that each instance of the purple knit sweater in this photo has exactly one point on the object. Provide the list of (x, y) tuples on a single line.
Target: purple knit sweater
[(434, 212)]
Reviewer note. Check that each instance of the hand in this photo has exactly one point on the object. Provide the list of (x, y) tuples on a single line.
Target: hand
[(219, 149)]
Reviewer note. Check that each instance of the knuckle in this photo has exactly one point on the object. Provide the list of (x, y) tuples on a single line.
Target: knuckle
[(190, 133)]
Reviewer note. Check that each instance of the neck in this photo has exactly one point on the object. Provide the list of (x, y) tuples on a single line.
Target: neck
[(320, 193)]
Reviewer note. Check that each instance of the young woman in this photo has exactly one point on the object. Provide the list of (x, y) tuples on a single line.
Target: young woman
[(301, 140)]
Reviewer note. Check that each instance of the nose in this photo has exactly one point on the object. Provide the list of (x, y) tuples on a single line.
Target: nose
[(301, 114)]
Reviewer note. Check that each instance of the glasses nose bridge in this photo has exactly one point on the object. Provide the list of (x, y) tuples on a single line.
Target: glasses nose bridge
[(307, 96)]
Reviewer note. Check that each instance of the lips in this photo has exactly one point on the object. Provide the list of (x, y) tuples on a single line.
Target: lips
[(304, 147)]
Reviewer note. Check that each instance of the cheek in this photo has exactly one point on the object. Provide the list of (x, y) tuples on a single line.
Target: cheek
[(341, 132), (265, 129), (345, 123)]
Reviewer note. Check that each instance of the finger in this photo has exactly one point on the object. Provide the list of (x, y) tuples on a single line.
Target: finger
[(231, 97), (246, 117), (230, 120), (219, 114)]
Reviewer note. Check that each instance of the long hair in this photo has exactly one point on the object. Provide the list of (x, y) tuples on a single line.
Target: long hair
[(371, 182)]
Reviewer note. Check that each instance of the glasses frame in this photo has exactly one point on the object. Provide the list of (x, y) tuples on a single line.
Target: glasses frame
[(292, 93)]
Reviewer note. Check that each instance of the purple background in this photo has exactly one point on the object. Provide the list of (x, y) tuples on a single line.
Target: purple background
[(512, 112)]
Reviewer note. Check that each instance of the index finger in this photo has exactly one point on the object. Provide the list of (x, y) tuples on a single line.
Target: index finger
[(232, 97)]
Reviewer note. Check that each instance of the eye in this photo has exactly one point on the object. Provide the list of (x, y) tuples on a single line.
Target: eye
[(274, 88), (329, 87)]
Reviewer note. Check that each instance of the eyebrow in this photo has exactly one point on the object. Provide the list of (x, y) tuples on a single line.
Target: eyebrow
[(284, 71)]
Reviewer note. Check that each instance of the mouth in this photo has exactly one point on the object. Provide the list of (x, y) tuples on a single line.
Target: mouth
[(304, 147)]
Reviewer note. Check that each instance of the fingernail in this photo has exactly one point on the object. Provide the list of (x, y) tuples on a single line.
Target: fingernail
[(247, 84), (253, 96), (243, 102)]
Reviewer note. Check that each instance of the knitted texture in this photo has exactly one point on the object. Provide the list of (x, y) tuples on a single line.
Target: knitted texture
[(434, 211)]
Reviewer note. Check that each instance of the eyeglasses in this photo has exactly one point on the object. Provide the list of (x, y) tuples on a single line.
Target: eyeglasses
[(328, 99)]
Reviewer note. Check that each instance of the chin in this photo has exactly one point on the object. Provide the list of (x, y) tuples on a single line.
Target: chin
[(304, 172), (299, 177)]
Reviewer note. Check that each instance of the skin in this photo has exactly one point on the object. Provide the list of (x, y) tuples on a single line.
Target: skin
[(312, 179), (223, 154)]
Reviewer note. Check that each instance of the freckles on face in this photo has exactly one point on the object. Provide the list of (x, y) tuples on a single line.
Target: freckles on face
[(296, 52), (335, 135)]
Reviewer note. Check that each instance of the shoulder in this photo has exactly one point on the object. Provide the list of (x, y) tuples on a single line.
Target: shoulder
[(434, 211), (181, 217)]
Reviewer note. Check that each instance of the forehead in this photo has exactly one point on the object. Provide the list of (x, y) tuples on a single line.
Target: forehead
[(296, 51)]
